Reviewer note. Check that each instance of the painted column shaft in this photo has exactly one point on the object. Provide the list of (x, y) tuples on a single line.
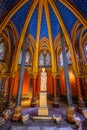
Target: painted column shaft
[(84, 87), (21, 78), (54, 87), (65, 63), (3, 83), (80, 98), (9, 89), (6, 87), (34, 87)]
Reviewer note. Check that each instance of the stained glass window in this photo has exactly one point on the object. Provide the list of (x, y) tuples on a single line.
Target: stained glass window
[(20, 58), (68, 57), (2, 51), (85, 49), (41, 60), (47, 60), (60, 59), (27, 62)]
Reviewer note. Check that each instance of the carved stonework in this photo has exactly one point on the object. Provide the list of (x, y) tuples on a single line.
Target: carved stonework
[(3, 68), (43, 85), (43, 109)]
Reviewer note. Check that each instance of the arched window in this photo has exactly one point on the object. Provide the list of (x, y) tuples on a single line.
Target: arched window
[(41, 60), (2, 51), (47, 60), (60, 59), (85, 51), (68, 57), (27, 62), (20, 58)]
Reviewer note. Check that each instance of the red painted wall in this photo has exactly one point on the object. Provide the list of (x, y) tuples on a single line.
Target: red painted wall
[(49, 83), (26, 84), (72, 83)]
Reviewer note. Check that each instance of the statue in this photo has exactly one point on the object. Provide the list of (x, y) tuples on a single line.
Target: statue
[(43, 82)]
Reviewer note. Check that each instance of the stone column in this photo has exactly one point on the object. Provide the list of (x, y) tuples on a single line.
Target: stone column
[(59, 91), (70, 109), (34, 100), (3, 84), (66, 73), (17, 112), (9, 102), (6, 87), (55, 100), (81, 103), (84, 86)]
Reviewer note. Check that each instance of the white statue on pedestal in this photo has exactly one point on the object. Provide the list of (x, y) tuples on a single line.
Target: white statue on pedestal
[(43, 83)]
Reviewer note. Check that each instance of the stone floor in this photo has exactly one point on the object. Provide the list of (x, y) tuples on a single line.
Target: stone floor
[(43, 125)]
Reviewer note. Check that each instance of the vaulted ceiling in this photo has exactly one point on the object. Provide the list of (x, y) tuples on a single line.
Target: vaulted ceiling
[(69, 17)]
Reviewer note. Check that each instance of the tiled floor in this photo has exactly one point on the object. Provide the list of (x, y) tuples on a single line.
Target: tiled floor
[(34, 112)]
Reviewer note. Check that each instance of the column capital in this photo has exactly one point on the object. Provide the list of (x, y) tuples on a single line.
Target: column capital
[(79, 75), (35, 74), (54, 74), (10, 74)]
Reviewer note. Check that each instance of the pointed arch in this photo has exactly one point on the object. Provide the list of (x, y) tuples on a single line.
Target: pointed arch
[(30, 12), (11, 13), (69, 4)]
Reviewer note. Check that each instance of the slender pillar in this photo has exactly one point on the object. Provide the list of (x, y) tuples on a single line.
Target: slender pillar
[(34, 101), (3, 84), (17, 112), (10, 92), (70, 109), (66, 73), (59, 92), (22, 70), (84, 86), (36, 51), (6, 87), (55, 101), (81, 103)]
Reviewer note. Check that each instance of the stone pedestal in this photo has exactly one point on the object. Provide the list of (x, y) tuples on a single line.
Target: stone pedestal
[(70, 112), (43, 109), (17, 113), (34, 102), (43, 99), (55, 103)]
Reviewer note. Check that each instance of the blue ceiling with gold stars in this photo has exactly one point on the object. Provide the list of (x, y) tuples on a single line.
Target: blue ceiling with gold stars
[(68, 17)]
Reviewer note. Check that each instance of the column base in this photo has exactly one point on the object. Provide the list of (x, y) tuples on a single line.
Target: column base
[(9, 105), (85, 99), (17, 113), (43, 111), (70, 112), (55, 103), (81, 106), (34, 102)]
